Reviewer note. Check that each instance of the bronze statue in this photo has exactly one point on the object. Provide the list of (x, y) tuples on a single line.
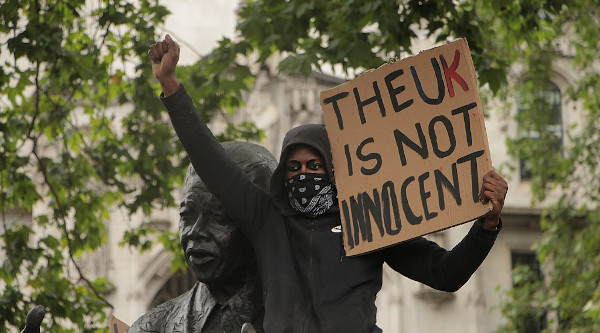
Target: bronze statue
[(34, 319), (228, 294)]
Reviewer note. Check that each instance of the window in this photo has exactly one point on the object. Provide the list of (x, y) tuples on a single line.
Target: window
[(539, 126), (178, 284), (533, 324), (528, 260)]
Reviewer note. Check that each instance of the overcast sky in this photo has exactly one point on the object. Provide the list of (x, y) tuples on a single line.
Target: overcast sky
[(199, 24)]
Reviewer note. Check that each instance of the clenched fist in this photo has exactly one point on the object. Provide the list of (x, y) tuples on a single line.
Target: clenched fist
[(165, 55)]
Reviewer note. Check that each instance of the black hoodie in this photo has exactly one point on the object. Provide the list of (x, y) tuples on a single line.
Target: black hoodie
[(313, 135), (308, 284)]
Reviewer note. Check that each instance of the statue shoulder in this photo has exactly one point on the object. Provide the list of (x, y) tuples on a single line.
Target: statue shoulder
[(166, 317)]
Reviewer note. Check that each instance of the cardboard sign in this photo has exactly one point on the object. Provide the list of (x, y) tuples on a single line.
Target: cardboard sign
[(117, 326), (409, 148)]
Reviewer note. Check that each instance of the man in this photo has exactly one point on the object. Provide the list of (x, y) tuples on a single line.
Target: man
[(309, 285), (228, 293)]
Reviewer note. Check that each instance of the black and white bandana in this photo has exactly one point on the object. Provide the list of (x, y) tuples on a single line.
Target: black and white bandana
[(310, 193)]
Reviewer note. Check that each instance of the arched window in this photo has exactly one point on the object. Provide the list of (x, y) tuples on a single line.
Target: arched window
[(539, 126), (176, 285)]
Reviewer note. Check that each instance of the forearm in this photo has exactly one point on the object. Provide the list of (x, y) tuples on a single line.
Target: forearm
[(455, 267), (428, 263), (169, 85), (223, 177), (197, 139)]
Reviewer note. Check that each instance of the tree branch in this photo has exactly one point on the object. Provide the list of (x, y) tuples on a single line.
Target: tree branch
[(6, 239), (63, 226)]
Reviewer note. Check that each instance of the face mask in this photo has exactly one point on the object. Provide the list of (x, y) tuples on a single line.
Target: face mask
[(310, 193)]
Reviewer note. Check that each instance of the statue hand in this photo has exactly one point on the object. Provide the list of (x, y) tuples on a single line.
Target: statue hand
[(34, 320)]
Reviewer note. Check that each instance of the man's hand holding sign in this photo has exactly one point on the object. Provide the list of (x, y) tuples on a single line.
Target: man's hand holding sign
[(494, 190), (410, 150)]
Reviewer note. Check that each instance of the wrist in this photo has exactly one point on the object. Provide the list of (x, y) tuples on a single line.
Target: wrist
[(169, 85), (490, 223)]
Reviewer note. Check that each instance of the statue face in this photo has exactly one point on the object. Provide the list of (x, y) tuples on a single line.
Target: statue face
[(215, 248)]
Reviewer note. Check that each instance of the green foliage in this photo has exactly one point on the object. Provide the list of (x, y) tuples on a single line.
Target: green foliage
[(217, 81), (82, 132), (67, 66), (359, 35), (564, 162)]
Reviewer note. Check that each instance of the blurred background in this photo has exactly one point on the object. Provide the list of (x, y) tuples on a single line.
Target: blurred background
[(91, 171)]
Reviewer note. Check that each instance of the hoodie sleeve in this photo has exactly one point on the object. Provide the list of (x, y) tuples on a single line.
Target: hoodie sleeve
[(426, 262), (244, 201)]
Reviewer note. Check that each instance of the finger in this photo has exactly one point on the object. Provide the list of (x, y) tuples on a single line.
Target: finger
[(483, 182), (490, 190), (492, 187), (498, 191), (489, 183), (172, 45), (501, 189), (496, 207), (486, 179), (495, 183), (154, 53), (165, 46), (494, 175), (481, 196), (494, 197)]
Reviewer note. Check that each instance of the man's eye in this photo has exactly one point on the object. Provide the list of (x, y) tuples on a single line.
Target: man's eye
[(313, 165), (188, 214), (293, 166)]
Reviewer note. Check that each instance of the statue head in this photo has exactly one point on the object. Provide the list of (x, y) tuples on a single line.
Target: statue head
[(215, 248)]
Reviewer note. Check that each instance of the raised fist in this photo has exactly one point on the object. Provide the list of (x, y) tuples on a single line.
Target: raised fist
[(164, 55)]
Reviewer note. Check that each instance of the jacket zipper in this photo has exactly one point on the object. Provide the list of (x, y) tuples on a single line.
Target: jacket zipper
[(342, 251), (308, 277)]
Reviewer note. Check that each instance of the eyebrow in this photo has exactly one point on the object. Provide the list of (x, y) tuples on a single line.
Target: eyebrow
[(318, 159), (188, 199)]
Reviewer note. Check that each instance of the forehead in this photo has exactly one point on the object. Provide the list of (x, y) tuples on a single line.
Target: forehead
[(303, 152), (193, 183)]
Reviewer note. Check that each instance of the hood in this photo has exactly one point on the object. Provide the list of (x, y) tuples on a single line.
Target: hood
[(313, 135)]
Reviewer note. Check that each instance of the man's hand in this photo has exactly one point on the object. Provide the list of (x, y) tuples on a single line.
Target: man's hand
[(494, 189), (165, 55)]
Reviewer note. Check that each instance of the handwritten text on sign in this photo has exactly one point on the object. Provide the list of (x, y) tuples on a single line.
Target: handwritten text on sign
[(409, 148)]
